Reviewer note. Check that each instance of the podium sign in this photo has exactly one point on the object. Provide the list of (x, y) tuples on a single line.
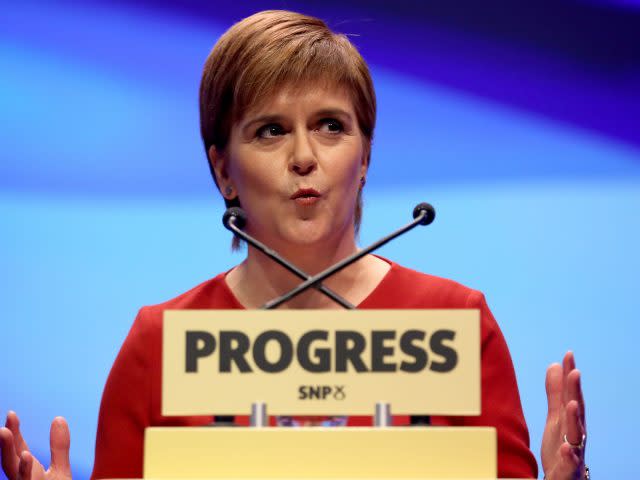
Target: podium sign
[(321, 362)]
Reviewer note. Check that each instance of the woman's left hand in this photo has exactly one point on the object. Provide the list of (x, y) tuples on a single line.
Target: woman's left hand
[(563, 442)]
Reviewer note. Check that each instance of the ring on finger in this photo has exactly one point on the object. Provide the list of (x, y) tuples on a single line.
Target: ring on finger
[(577, 446)]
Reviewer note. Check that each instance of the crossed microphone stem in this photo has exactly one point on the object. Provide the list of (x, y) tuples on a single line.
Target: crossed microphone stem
[(235, 220)]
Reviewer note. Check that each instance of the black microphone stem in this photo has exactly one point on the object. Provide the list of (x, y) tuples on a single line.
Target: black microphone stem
[(289, 266), (314, 280)]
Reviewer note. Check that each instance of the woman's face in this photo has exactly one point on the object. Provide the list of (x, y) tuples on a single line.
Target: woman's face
[(296, 163)]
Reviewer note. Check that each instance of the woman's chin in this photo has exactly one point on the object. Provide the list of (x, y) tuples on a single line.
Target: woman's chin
[(310, 233)]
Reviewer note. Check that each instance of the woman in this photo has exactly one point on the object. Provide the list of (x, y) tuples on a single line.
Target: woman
[(287, 112)]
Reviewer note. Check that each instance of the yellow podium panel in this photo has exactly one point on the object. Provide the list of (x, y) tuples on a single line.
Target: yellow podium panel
[(321, 362), (320, 453)]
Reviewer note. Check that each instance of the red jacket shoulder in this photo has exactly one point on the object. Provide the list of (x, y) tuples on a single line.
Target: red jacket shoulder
[(210, 294), (407, 288)]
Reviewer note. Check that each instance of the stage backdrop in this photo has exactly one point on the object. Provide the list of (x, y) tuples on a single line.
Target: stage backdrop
[(519, 123)]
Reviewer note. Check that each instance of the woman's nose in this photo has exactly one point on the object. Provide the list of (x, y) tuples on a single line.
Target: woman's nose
[(303, 158)]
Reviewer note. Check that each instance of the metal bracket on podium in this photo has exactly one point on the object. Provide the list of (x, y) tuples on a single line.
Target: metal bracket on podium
[(259, 417), (382, 416)]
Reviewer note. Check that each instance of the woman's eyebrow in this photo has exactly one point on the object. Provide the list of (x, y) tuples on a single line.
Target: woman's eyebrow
[(333, 111), (275, 118), (248, 126), (263, 119)]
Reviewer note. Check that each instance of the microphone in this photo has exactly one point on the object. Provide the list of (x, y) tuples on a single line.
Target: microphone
[(423, 214), (236, 216), (428, 211), (235, 219)]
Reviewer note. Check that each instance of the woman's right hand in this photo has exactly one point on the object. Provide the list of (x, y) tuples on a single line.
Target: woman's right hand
[(19, 464)]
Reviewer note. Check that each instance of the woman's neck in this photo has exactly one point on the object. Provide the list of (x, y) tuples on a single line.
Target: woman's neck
[(259, 279)]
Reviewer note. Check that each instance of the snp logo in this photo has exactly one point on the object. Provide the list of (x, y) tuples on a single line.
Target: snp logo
[(321, 392)]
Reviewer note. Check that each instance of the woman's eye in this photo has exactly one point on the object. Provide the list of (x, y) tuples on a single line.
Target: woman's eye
[(270, 131), (330, 125)]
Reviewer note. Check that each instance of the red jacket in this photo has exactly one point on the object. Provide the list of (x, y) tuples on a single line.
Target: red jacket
[(131, 398)]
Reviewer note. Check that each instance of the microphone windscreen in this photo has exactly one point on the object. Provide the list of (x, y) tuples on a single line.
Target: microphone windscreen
[(429, 216), (238, 216)]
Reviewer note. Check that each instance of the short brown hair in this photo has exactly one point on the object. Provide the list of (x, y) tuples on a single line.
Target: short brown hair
[(268, 50)]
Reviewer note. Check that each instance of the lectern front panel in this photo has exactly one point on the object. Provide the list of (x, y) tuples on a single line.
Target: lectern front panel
[(315, 452)]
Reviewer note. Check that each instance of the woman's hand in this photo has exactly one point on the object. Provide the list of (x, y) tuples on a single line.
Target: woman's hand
[(19, 464), (564, 438)]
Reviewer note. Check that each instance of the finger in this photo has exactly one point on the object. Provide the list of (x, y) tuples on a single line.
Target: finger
[(575, 392), (10, 458), (569, 464), (26, 466), (13, 424), (574, 427), (553, 385), (60, 441), (569, 361), (568, 365)]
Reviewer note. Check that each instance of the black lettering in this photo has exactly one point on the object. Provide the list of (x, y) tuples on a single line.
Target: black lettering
[(234, 346), (199, 344), (302, 392), (322, 355), (339, 392), (439, 348), (379, 351), (409, 348), (315, 392), (326, 391), (260, 355), (349, 348)]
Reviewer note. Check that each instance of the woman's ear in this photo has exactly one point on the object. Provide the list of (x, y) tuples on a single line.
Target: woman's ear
[(218, 162), (363, 170), (364, 166)]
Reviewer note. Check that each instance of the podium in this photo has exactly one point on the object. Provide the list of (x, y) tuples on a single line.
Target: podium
[(415, 361), (320, 452)]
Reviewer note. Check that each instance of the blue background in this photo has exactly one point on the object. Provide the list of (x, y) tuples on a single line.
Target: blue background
[(518, 121)]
